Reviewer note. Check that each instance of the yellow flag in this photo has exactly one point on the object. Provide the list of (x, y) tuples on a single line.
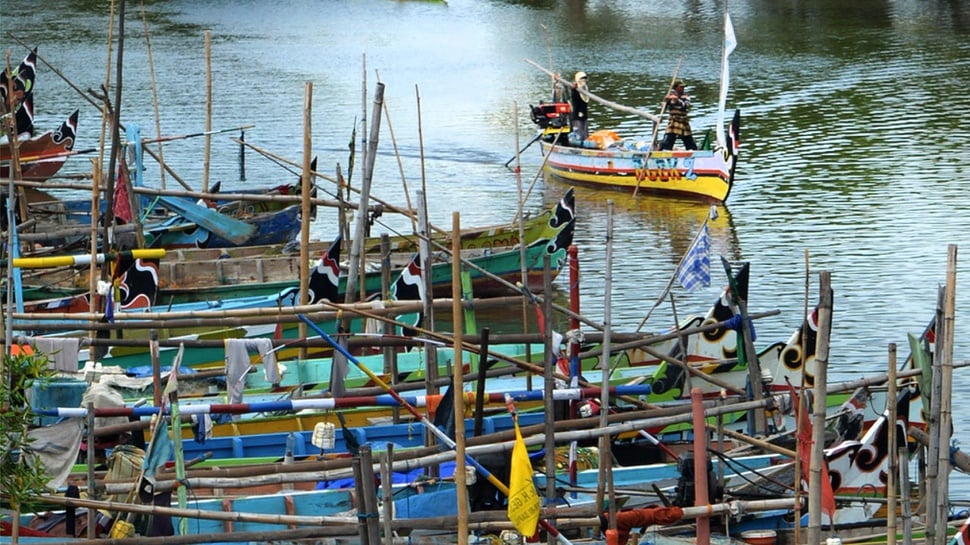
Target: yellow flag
[(523, 498)]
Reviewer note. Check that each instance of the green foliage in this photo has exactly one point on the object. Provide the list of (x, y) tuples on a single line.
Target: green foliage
[(23, 476)]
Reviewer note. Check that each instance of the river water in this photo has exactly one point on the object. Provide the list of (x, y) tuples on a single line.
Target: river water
[(854, 131)]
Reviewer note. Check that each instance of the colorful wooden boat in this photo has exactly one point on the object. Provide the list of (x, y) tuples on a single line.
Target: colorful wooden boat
[(610, 160), (42, 156), (272, 227), (855, 467), (505, 265), (205, 274), (626, 165)]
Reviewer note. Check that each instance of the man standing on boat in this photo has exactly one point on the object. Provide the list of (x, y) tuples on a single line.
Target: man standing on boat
[(678, 124), (580, 109)]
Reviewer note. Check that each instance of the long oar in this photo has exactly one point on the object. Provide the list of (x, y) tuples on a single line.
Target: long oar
[(193, 135), (533, 141), (442, 436), (656, 125)]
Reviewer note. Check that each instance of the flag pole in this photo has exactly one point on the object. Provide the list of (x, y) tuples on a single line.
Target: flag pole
[(673, 277), (524, 505), (441, 435)]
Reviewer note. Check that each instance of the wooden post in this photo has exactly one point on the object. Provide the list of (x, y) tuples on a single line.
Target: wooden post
[(156, 368), (701, 497), (387, 491), (933, 426), (906, 492), (305, 181), (369, 499), (356, 255), (571, 407), (362, 526), (945, 363), (754, 369), (548, 385), (95, 212), (604, 451), (818, 408), (208, 112), (424, 234), (891, 394), (92, 484), (458, 390)]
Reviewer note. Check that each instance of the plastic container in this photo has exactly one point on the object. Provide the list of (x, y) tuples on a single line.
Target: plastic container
[(759, 537)]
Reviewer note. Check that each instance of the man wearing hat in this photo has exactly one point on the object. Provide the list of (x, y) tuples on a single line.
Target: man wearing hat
[(678, 125), (580, 109)]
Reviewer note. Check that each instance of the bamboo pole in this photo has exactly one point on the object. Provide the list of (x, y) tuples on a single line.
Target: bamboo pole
[(109, 218), (356, 255), (946, 390), (605, 481), (305, 210), (369, 498), (656, 123), (387, 459), (151, 72), (548, 384), (319, 526), (400, 164), (458, 385), (819, 408), (907, 510), (603, 101), (801, 388), (893, 474), (95, 211), (760, 443), (700, 465), (89, 441), (207, 156), (933, 455), (358, 469), (153, 192)]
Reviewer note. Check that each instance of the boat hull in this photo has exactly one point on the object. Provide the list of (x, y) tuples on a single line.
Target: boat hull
[(701, 174)]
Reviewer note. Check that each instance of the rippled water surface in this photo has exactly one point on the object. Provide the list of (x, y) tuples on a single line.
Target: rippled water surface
[(854, 130)]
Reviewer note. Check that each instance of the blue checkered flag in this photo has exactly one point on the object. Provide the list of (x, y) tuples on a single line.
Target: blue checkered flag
[(695, 268)]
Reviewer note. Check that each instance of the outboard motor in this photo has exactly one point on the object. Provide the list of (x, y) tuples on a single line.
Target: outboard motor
[(684, 495), (553, 119)]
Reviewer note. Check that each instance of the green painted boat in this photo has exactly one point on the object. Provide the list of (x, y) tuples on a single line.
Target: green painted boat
[(207, 274)]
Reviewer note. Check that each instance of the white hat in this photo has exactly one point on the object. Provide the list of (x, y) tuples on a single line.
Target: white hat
[(580, 75)]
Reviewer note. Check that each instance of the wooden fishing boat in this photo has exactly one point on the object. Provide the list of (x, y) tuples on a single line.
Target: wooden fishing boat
[(41, 157), (271, 227), (631, 163), (200, 273), (856, 467), (501, 268), (628, 164), (205, 274)]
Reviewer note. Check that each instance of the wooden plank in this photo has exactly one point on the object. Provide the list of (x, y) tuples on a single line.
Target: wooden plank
[(233, 230)]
